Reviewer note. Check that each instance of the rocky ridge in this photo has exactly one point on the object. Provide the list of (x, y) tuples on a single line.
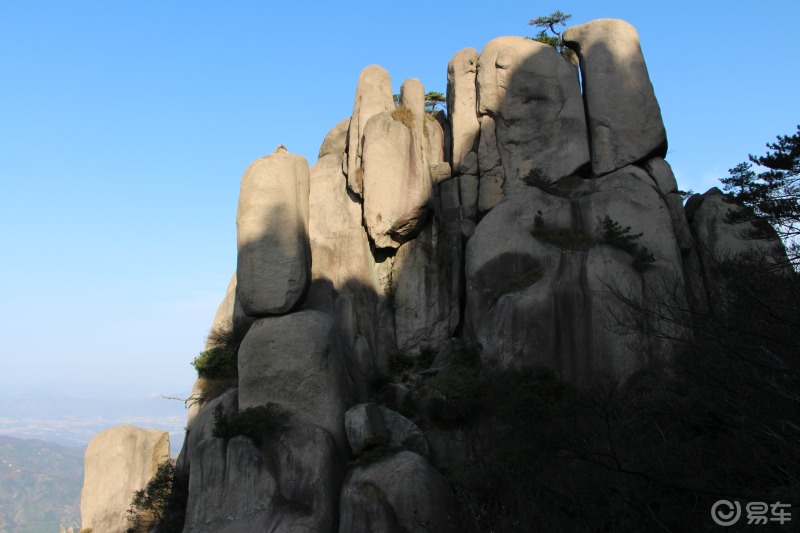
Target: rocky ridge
[(508, 228)]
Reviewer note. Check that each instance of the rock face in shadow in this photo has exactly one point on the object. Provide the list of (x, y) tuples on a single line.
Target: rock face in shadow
[(118, 462), (427, 289), (718, 238), (399, 493), (624, 118), (230, 487), (462, 104), (288, 483), (368, 423), (533, 94), (201, 425), (273, 263), (542, 276)]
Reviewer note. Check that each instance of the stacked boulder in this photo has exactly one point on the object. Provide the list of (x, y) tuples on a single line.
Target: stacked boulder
[(333, 264), (520, 224)]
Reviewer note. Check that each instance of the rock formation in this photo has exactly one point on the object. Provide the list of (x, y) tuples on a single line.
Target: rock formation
[(516, 229), (119, 461), (273, 264), (624, 118)]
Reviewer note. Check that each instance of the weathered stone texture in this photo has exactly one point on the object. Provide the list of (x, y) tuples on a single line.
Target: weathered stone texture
[(624, 118), (534, 97), (273, 264), (373, 96), (118, 462), (397, 187), (462, 106), (397, 494), (296, 362)]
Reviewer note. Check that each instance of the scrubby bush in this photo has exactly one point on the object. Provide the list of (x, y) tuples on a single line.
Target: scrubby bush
[(162, 503), (612, 232), (253, 422), (220, 360), (404, 116), (536, 177), (217, 363)]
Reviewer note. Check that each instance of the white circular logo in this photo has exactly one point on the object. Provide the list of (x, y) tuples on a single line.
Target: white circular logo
[(726, 513)]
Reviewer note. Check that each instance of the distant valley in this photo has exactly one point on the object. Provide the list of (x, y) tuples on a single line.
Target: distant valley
[(40, 486), (72, 420)]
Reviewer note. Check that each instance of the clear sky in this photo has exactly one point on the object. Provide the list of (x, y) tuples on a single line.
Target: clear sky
[(125, 128)]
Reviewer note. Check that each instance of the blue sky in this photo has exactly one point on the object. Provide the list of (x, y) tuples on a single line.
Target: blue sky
[(125, 128)]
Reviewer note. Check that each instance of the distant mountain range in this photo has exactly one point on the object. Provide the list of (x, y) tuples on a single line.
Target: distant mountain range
[(40, 486), (72, 420)]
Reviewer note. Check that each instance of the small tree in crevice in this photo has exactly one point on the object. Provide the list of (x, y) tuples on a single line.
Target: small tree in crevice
[(550, 22), (612, 232), (162, 503)]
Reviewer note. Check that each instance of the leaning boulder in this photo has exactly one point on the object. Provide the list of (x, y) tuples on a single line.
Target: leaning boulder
[(118, 462), (397, 187), (373, 96), (625, 123), (335, 141), (462, 104), (534, 96), (371, 424), (274, 263)]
